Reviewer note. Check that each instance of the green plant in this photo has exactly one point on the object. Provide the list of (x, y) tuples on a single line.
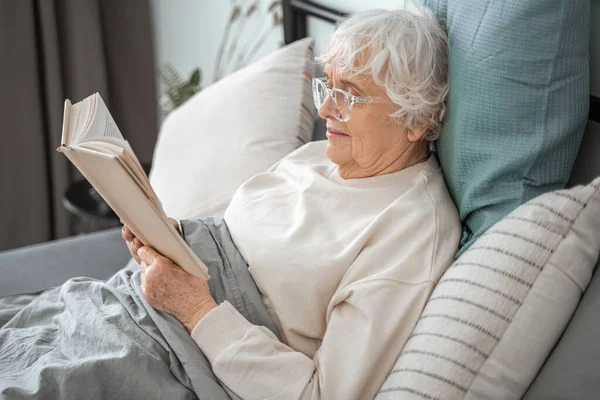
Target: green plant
[(177, 90)]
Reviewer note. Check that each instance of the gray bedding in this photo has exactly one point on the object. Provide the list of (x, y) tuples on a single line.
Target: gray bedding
[(97, 339)]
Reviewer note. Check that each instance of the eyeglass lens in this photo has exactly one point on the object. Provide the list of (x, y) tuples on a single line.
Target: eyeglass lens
[(339, 101)]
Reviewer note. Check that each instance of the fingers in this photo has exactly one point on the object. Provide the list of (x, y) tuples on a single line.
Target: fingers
[(127, 234), (131, 248), (132, 242), (133, 251), (148, 255)]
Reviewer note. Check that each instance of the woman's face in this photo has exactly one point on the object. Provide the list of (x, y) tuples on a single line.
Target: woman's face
[(371, 142)]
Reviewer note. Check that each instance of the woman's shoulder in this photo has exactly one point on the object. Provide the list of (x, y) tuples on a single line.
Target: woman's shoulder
[(443, 220), (438, 203), (434, 185), (418, 236)]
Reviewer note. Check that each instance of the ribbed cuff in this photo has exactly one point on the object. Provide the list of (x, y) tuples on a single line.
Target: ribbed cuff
[(219, 329)]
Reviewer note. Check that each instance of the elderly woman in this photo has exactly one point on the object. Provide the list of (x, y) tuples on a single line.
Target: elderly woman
[(342, 241), (345, 238)]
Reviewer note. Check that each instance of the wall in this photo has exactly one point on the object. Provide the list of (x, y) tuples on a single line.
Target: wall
[(321, 29), (188, 32)]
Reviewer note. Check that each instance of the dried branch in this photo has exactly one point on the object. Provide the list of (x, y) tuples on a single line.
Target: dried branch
[(277, 21), (232, 48), (236, 11)]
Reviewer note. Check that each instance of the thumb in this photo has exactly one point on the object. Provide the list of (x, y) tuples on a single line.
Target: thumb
[(147, 254)]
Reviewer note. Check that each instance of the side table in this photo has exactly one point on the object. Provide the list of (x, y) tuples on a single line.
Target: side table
[(89, 210)]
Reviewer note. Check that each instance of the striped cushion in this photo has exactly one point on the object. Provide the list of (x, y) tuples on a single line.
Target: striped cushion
[(501, 307)]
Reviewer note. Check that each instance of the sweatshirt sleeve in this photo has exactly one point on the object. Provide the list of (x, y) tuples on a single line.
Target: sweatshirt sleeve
[(367, 327)]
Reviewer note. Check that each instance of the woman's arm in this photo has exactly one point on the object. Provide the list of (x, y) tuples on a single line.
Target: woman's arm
[(368, 324)]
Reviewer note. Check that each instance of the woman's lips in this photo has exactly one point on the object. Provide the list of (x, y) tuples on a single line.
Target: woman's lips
[(335, 134)]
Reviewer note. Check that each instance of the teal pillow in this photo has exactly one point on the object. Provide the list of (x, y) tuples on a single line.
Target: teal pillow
[(518, 102)]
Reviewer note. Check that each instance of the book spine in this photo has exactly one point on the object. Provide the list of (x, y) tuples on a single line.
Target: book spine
[(63, 147)]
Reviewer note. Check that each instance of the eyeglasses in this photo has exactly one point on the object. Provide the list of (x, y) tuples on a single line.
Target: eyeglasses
[(340, 101)]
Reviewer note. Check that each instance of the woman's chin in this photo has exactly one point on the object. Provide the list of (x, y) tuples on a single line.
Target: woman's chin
[(336, 153)]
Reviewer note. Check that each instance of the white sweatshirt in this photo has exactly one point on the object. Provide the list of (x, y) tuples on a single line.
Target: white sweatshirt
[(345, 268)]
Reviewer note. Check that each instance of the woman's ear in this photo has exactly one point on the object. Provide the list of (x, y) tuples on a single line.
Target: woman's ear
[(414, 135)]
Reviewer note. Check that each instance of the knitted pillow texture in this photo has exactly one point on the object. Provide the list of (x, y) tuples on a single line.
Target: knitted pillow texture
[(499, 310), (518, 102)]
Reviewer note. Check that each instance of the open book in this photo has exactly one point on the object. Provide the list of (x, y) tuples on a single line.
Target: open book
[(94, 144)]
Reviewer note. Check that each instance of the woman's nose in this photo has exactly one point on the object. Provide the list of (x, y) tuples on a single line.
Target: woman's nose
[(325, 110)]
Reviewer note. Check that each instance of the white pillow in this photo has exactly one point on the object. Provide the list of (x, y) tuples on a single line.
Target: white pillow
[(498, 311), (232, 130)]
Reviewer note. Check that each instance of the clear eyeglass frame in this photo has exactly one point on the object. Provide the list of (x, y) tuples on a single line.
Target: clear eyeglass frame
[(341, 102)]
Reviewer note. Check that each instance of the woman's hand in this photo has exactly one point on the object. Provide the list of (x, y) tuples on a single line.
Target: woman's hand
[(133, 243), (171, 289)]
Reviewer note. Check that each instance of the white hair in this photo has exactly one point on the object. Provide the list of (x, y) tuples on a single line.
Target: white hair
[(406, 52)]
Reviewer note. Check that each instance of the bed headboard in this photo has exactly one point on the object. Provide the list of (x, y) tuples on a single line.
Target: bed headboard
[(595, 108), (297, 12)]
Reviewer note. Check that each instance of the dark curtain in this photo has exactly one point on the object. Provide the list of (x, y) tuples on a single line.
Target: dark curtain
[(56, 49)]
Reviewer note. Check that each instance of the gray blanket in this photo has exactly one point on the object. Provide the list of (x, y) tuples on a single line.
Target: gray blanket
[(90, 339)]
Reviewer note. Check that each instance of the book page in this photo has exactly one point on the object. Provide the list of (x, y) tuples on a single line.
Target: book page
[(89, 119), (129, 202), (73, 121), (64, 140)]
